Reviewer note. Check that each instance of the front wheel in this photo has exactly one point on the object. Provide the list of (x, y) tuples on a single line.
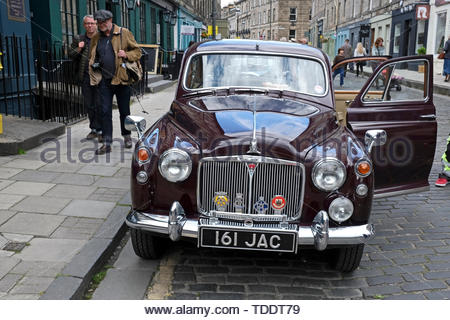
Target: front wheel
[(347, 259), (146, 245)]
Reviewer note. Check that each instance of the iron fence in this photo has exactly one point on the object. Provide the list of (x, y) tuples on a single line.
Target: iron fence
[(38, 81)]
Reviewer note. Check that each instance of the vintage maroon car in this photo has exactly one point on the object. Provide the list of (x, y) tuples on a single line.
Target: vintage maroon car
[(259, 152)]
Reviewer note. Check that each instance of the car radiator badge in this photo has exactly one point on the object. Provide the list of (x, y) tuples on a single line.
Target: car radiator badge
[(221, 201), (278, 204), (261, 206), (239, 203)]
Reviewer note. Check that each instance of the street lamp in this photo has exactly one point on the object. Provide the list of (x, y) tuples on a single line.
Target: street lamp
[(237, 11)]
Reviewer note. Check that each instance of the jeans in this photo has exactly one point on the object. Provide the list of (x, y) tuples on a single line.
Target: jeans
[(91, 102), (340, 72), (123, 94)]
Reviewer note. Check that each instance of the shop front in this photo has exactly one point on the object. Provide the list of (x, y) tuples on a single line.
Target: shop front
[(380, 27), (409, 30), (439, 30)]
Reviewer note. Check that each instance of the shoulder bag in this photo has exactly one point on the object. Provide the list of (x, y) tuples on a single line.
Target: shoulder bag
[(134, 69)]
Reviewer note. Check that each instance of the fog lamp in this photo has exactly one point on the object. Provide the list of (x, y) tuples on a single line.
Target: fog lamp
[(142, 177), (341, 209)]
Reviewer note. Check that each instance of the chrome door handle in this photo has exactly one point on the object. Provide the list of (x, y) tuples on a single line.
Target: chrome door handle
[(428, 116)]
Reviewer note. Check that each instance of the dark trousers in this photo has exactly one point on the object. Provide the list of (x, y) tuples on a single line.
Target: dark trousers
[(123, 94), (359, 66), (91, 102)]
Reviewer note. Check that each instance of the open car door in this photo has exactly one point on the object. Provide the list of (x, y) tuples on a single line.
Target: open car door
[(408, 116)]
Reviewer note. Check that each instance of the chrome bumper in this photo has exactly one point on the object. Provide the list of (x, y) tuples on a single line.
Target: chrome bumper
[(319, 234)]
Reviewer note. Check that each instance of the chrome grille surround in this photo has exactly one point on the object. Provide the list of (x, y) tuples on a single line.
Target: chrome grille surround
[(270, 177)]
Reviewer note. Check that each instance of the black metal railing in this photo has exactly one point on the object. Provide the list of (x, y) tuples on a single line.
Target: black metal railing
[(39, 81)]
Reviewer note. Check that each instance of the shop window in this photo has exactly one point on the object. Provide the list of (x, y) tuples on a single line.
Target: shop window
[(69, 20), (397, 38), (441, 25), (420, 35)]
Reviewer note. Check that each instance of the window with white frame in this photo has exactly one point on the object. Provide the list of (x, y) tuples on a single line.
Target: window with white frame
[(293, 14)]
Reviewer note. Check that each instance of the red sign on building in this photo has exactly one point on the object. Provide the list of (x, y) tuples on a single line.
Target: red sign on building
[(422, 12)]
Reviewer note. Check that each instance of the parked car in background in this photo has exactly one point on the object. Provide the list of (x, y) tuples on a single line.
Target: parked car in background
[(259, 152)]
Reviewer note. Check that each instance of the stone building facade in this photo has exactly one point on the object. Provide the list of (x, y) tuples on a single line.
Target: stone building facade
[(364, 21), (270, 19)]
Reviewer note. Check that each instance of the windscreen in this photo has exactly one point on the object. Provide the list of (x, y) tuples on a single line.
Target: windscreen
[(256, 71)]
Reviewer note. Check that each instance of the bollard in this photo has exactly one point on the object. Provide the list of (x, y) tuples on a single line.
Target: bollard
[(1, 124), (1, 66)]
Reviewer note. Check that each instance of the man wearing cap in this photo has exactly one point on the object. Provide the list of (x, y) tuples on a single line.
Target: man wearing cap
[(110, 48), (79, 53)]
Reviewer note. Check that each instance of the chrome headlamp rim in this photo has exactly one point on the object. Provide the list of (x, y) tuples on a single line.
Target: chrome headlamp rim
[(181, 152), (320, 162), (356, 168)]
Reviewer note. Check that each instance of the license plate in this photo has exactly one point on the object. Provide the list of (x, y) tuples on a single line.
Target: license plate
[(280, 241)]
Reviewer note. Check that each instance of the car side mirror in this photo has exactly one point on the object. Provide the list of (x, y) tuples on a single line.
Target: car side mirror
[(374, 138), (135, 123)]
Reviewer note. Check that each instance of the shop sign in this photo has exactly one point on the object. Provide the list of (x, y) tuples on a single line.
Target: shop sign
[(187, 30), (422, 12), (16, 10)]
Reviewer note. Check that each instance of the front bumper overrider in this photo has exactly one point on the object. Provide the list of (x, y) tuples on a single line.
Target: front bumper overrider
[(319, 234)]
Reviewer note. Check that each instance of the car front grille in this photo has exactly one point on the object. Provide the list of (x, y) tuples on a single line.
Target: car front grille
[(231, 176)]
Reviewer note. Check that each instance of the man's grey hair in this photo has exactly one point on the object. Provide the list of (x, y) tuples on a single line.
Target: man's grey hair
[(88, 16)]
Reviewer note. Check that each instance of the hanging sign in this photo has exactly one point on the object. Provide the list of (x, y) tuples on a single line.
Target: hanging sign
[(422, 12)]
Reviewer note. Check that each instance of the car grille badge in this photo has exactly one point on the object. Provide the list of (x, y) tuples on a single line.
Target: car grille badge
[(251, 168), (278, 203), (239, 203), (221, 201), (261, 206)]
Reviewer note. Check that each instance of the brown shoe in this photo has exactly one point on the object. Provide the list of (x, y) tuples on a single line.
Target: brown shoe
[(103, 149), (128, 142), (91, 135)]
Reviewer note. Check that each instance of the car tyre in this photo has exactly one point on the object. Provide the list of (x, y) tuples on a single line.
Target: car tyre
[(347, 259), (146, 245)]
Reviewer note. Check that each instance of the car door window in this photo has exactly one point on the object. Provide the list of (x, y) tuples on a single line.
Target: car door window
[(390, 83)]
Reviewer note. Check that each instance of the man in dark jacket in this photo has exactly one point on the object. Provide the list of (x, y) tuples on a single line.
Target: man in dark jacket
[(110, 49), (79, 53)]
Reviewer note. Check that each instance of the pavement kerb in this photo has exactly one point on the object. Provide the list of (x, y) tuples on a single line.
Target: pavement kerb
[(77, 275)]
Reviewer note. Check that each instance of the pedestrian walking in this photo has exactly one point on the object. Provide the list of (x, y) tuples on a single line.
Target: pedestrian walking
[(377, 50), (339, 71), (79, 53), (360, 51), (447, 60), (347, 54), (444, 176), (111, 48)]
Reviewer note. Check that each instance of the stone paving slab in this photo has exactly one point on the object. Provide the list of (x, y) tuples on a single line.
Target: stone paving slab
[(98, 170), (117, 183), (8, 200), (28, 188), (50, 205), (5, 183), (24, 164), (32, 285), (75, 179), (5, 215), (57, 250), (88, 208), (63, 167), (36, 176), (38, 268), (71, 191), (36, 224), (6, 173)]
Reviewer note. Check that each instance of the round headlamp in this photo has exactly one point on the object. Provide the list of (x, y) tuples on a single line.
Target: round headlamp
[(175, 165), (329, 174), (341, 209)]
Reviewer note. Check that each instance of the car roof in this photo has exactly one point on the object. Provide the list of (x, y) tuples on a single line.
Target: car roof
[(259, 45)]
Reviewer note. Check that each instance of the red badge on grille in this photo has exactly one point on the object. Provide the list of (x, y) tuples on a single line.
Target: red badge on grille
[(251, 168), (278, 203)]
